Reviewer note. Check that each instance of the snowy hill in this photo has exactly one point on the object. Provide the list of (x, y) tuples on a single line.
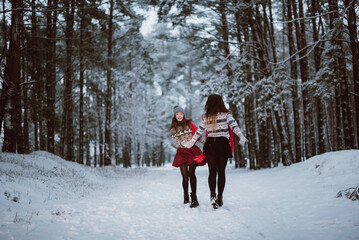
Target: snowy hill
[(45, 197)]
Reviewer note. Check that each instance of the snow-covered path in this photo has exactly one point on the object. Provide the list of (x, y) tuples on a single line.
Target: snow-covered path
[(296, 202)]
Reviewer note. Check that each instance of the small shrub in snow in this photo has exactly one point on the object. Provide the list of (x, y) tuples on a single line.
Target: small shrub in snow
[(8, 197), (351, 193)]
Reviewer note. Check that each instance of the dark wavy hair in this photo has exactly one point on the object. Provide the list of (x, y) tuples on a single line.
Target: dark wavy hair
[(214, 105)]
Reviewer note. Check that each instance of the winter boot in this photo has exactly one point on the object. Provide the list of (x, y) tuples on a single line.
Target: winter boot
[(194, 202), (186, 198), (220, 200), (214, 201)]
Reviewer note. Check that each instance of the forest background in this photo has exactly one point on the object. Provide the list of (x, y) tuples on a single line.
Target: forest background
[(93, 82)]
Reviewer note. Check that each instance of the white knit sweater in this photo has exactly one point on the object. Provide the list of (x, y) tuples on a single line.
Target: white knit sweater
[(223, 121)]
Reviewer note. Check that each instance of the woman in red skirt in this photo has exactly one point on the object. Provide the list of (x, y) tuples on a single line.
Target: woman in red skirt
[(187, 159)]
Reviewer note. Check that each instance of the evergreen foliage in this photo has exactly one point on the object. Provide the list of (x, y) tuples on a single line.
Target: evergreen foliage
[(82, 81)]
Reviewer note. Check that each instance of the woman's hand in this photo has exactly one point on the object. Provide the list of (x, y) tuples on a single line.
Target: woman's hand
[(242, 140), (187, 144)]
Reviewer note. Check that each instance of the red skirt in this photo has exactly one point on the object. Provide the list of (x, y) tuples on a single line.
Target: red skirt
[(189, 156)]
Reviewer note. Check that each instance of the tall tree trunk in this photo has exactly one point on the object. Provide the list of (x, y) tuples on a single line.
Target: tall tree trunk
[(127, 149), (267, 161), (190, 92), (126, 152), (343, 89), (338, 117), (100, 131), (108, 149), (329, 120), (34, 117), (238, 17), (294, 76), (270, 27), (87, 135), (286, 152), (12, 110), (354, 46), (117, 117), (51, 74), (40, 109), (138, 154), (162, 155), (24, 83), (303, 66), (67, 117), (5, 33), (339, 141), (250, 120), (238, 151), (262, 69), (36, 76), (346, 110), (95, 159), (320, 128), (250, 127), (5, 86), (276, 143), (267, 33), (224, 45), (285, 114), (82, 15)]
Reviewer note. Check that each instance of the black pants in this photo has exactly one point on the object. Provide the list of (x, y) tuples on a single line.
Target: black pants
[(217, 151), (216, 166)]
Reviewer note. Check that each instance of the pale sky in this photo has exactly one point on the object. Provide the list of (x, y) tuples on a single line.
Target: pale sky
[(147, 25)]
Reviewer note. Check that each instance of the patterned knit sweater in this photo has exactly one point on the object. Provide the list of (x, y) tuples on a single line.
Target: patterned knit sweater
[(223, 121), (180, 134)]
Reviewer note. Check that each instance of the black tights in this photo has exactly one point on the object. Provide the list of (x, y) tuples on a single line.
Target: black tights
[(189, 172), (216, 166)]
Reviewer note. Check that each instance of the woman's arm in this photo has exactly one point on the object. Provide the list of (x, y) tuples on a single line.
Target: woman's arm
[(197, 134), (234, 125), (199, 131), (235, 128), (194, 129)]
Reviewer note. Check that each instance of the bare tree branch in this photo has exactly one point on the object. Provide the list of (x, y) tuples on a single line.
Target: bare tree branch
[(305, 18), (50, 10), (311, 46)]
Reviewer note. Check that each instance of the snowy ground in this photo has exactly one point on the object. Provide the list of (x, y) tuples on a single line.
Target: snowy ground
[(45, 197)]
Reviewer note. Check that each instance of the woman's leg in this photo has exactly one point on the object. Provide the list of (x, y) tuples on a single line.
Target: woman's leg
[(212, 167), (221, 163), (184, 173), (192, 178)]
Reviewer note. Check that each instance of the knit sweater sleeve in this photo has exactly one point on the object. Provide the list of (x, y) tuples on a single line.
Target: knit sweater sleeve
[(200, 130), (234, 125)]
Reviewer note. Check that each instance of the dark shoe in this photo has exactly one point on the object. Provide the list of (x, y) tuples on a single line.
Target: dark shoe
[(194, 202), (220, 200), (186, 198), (214, 201)]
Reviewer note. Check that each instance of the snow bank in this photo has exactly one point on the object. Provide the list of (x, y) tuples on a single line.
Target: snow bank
[(334, 163), (334, 169), (42, 176)]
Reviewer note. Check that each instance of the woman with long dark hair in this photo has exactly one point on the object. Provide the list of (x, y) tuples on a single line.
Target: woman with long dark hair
[(187, 159), (219, 123)]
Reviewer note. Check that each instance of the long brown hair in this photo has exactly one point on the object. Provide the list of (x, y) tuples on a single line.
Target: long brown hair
[(214, 105), (183, 123)]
